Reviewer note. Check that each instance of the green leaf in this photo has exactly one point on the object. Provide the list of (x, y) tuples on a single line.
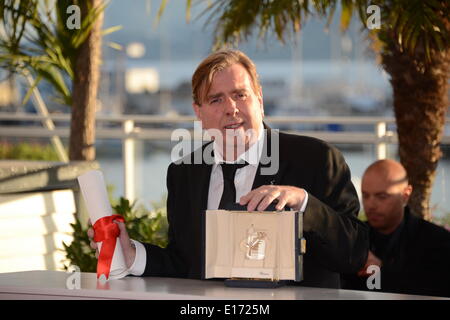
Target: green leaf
[(438, 40), (111, 30), (411, 37), (30, 90), (427, 48), (161, 9), (2, 10), (114, 45), (346, 15), (87, 24), (188, 10), (53, 75)]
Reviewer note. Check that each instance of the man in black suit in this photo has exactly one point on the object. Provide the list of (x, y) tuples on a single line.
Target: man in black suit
[(412, 255), (296, 172)]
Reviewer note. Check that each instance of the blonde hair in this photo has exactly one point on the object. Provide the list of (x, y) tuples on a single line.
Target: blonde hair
[(216, 62)]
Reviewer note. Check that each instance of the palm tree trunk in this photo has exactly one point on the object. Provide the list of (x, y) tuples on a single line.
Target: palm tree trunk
[(420, 104), (85, 85)]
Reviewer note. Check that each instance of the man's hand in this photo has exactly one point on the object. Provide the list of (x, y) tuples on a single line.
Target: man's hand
[(129, 252), (263, 196), (371, 260)]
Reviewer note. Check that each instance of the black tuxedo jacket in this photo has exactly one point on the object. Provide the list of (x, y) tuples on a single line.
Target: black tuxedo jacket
[(416, 260), (336, 241)]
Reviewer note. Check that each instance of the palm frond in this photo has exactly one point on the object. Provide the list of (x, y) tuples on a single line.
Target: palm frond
[(30, 90), (416, 26), (236, 20), (111, 30), (34, 38), (347, 13), (161, 9), (188, 10)]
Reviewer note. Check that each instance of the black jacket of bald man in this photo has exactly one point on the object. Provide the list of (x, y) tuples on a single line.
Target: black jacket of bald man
[(415, 257)]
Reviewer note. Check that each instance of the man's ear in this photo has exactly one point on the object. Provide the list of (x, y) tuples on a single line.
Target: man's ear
[(407, 193)]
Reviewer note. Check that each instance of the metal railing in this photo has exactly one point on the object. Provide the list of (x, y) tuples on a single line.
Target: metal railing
[(129, 128)]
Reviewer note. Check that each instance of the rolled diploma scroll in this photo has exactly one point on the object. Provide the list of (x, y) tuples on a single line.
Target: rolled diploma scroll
[(95, 196)]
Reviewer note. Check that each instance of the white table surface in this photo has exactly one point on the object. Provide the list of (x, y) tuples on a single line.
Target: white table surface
[(53, 285)]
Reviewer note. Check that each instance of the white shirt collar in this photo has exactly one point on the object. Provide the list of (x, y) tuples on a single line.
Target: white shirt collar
[(252, 155)]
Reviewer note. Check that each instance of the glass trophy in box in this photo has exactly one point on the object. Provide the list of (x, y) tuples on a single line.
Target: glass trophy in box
[(253, 249)]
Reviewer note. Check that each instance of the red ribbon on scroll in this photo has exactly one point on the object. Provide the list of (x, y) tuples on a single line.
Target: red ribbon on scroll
[(106, 232)]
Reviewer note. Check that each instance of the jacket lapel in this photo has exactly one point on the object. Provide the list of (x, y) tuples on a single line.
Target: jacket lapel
[(198, 197), (268, 179), (201, 175)]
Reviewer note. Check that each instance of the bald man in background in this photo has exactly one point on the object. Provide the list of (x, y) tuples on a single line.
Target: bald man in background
[(413, 254)]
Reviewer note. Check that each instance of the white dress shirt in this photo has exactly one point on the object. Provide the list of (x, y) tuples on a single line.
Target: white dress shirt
[(243, 182)]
